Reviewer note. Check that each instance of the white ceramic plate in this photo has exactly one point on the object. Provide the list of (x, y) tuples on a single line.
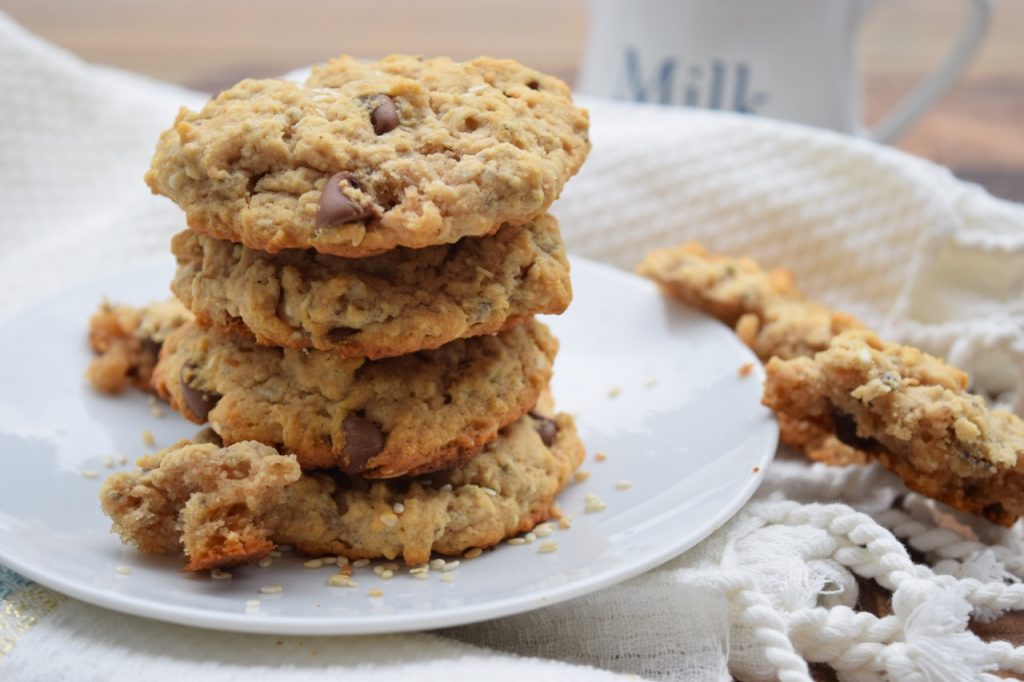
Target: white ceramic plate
[(654, 385)]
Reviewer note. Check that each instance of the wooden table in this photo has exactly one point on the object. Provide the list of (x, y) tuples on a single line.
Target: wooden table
[(977, 129)]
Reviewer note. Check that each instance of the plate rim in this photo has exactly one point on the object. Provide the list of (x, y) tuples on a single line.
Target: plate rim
[(400, 621)]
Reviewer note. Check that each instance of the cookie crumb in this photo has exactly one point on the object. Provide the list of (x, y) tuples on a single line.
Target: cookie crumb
[(448, 577), (148, 439), (600, 457), (124, 570), (218, 574), (313, 563), (547, 548), (756, 470), (473, 553), (264, 562), (88, 473), (592, 503), (746, 369), (108, 462), (623, 485), (564, 523), (122, 460), (271, 589), (614, 392), (581, 475), (341, 580), (376, 592)]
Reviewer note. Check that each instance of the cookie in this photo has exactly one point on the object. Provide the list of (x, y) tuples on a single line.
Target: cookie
[(127, 342), (227, 506), (399, 302), (366, 157), (379, 418), (911, 412), (767, 310)]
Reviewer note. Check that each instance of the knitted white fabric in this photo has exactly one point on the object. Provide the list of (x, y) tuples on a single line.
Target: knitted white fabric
[(893, 239)]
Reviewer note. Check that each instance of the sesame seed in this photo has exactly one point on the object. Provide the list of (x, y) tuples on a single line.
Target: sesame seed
[(600, 457), (285, 548), (89, 474), (108, 462), (547, 548), (582, 476), (156, 411), (592, 503), (329, 560), (376, 592), (252, 604), (398, 507), (275, 553), (437, 564), (614, 392), (530, 537), (564, 523), (476, 88), (343, 561), (271, 589), (378, 569), (473, 553), (264, 562), (746, 369), (419, 570), (124, 570), (389, 519), (313, 563), (452, 565), (147, 438), (386, 574), (490, 491), (420, 576), (543, 530), (516, 541), (359, 563), (218, 574), (341, 580), (122, 460), (447, 488), (623, 485), (448, 577)]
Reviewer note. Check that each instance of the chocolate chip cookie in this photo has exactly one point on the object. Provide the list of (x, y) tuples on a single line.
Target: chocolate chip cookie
[(227, 506), (398, 302), (365, 157), (912, 413), (127, 342), (379, 418)]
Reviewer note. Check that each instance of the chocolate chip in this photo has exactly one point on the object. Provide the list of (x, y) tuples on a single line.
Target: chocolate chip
[(363, 440), (199, 403), (845, 427), (339, 334), (533, 85), (383, 115), (337, 209), (547, 429)]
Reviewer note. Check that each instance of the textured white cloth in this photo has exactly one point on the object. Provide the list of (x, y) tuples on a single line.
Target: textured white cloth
[(893, 239)]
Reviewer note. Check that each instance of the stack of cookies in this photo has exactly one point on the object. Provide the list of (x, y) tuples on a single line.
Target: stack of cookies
[(365, 256)]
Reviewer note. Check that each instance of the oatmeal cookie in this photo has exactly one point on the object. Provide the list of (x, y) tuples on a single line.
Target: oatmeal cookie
[(127, 342), (379, 418), (365, 157), (399, 302), (228, 506), (912, 413), (767, 310)]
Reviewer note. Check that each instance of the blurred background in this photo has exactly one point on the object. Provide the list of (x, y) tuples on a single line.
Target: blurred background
[(977, 128)]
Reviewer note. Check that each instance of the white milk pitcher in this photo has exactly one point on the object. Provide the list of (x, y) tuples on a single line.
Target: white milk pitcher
[(788, 59)]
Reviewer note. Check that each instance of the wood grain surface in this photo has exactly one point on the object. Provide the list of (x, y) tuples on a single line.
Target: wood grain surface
[(977, 129)]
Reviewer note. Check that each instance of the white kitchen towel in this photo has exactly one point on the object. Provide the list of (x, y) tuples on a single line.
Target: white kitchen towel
[(893, 239)]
